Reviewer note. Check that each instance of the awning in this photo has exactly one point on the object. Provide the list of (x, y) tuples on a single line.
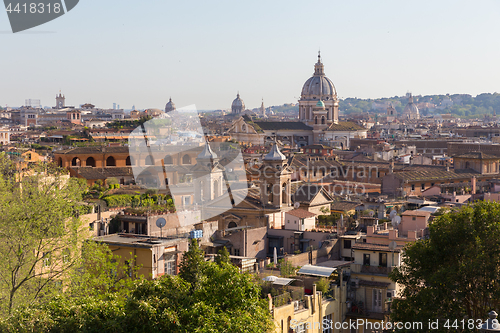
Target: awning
[(316, 270), (283, 281), (305, 240)]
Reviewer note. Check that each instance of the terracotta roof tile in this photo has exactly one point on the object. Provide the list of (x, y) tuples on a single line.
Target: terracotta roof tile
[(301, 213)]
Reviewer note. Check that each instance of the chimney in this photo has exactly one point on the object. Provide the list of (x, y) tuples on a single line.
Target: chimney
[(369, 230), (473, 184), (393, 234)]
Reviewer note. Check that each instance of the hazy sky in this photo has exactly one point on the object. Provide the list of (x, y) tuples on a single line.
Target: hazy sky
[(203, 52)]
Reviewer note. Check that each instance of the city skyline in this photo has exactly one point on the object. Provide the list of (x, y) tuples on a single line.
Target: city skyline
[(131, 54)]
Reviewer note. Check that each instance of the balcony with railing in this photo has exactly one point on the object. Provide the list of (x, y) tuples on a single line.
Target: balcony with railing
[(358, 309), (372, 270), (294, 296)]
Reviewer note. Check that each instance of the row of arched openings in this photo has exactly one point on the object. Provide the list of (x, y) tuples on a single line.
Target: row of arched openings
[(111, 161)]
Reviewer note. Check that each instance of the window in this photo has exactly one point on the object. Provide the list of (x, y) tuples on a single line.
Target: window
[(366, 259), (382, 259), (301, 328), (46, 259), (130, 266), (347, 243), (413, 187), (236, 252), (377, 300), (186, 159), (422, 186), (413, 218), (65, 257), (327, 324), (170, 261)]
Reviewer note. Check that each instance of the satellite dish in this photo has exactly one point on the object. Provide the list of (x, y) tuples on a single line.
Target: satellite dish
[(392, 245), (296, 205), (393, 213), (161, 222)]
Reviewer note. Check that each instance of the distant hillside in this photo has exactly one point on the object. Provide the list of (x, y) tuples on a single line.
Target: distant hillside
[(285, 108), (461, 105)]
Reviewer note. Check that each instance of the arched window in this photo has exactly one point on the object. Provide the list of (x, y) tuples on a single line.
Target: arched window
[(75, 161), (59, 162), (186, 159), (216, 189), (270, 193), (168, 160), (110, 161), (149, 160), (128, 161), (315, 120), (90, 162), (323, 120), (232, 225), (283, 194)]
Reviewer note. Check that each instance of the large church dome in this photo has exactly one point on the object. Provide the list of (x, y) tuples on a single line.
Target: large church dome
[(318, 86), (238, 106), (411, 110), (170, 106)]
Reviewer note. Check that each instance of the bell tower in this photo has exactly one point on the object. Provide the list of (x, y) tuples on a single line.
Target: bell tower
[(60, 101), (209, 177), (275, 179)]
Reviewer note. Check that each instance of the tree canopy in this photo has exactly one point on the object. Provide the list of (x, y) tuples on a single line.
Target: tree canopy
[(455, 273), (40, 233), (224, 300)]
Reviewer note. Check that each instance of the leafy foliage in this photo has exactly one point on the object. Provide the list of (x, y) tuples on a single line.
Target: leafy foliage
[(223, 301), (454, 273), (323, 285), (287, 269), (39, 231)]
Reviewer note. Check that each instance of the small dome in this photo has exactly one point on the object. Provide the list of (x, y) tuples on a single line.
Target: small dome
[(170, 106), (238, 106), (275, 154), (320, 104), (410, 108)]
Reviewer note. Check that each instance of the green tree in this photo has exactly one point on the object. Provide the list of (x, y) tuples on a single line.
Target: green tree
[(222, 256), (39, 232), (225, 301), (456, 272), (192, 264), (287, 268)]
